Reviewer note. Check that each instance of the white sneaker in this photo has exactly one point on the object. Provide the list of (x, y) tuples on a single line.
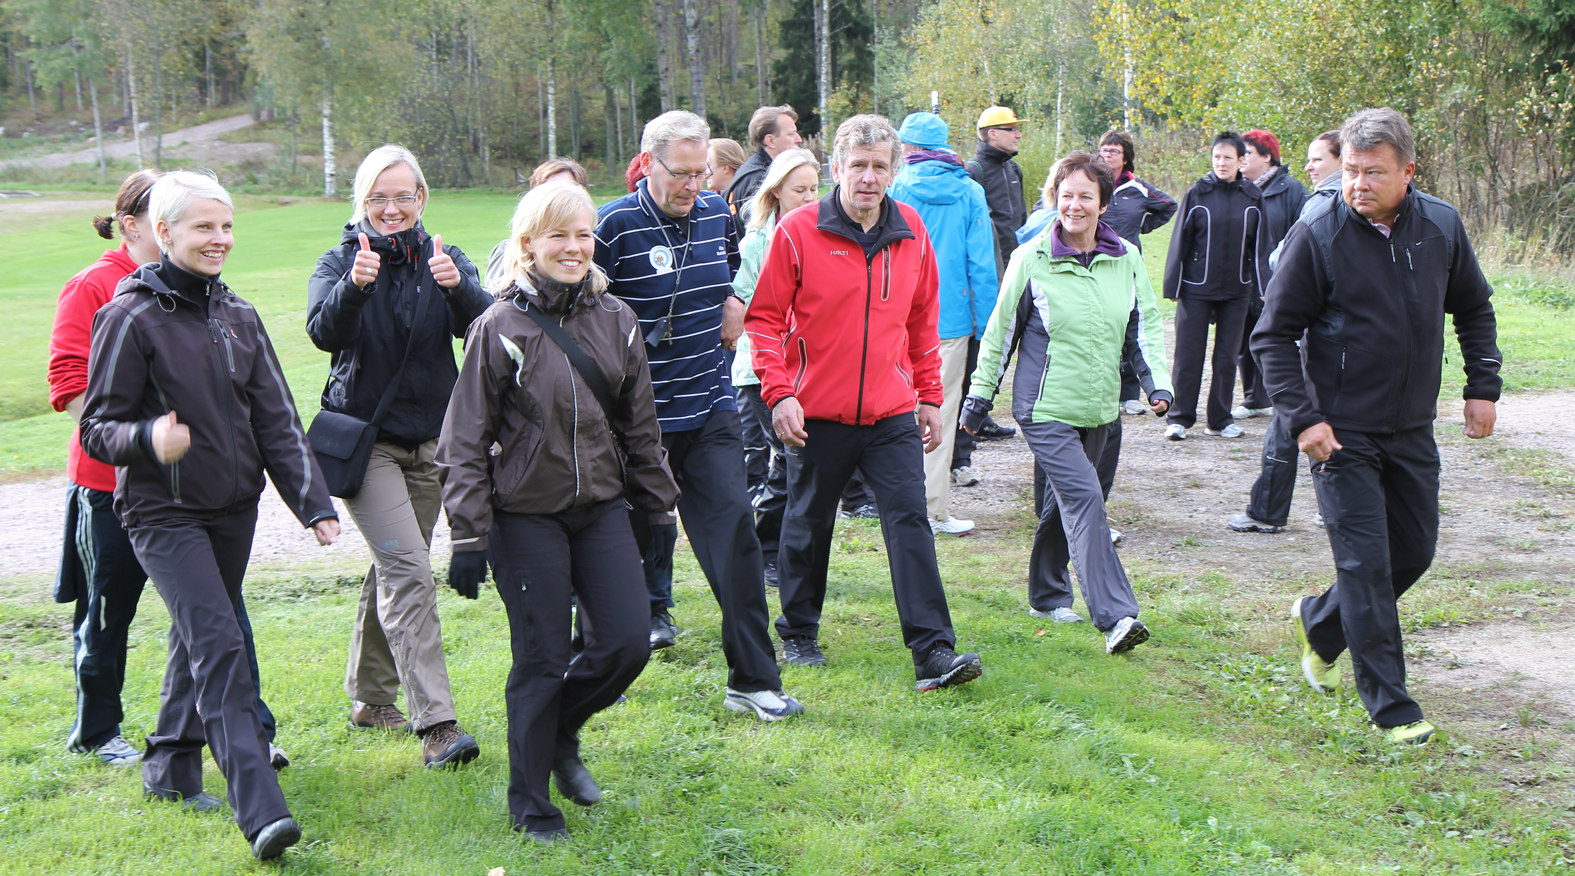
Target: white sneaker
[(118, 753), (951, 526), (1176, 432), (1231, 431), (277, 758), (1242, 412), (768, 705), (1133, 406), (1062, 615), (1115, 536), (963, 476), (1127, 634)]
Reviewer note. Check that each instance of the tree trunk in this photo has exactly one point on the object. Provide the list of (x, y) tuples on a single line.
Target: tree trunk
[(823, 66), (634, 116), (1060, 94), (207, 69), (664, 61), (552, 108), (98, 134), (328, 147), (131, 99), (32, 98), (76, 75), (732, 42), (692, 53), (617, 102), (610, 123), (762, 71), (541, 112)]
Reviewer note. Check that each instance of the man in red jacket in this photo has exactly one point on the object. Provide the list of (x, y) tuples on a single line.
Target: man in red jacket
[(843, 325)]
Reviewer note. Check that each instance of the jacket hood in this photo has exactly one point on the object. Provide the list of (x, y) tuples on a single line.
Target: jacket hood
[(1332, 181), (1210, 183), (936, 181), (1277, 183), (1106, 242)]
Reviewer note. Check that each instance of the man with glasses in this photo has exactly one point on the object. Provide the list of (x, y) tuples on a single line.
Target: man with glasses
[(670, 250)]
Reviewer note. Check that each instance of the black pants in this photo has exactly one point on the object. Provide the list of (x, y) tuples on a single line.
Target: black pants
[(770, 500), (761, 446), (708, 464), (1271, 492), (1379, 498), (1253, 393), (963, 445), (111, 587), (540, 561), (891, 455), (197, 566), (1192, 339), (1131, 360)]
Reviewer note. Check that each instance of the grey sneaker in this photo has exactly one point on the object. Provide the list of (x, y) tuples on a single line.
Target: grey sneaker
[(1230, 431), (1244, 522), (943, 667), (118, 753), (1242, 412), (963, 476), (1133, 407), (1062, 615), (1127, 634), (277, 758), (1176, 432), (802, 651), (768, 705), (201, 801), (951, 526)]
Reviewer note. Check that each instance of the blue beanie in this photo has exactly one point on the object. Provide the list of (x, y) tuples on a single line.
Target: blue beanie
[(924, 130)]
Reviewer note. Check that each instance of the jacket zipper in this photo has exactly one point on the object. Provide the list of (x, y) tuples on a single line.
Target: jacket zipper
[(229, 419), (574, 435), (864, 352)]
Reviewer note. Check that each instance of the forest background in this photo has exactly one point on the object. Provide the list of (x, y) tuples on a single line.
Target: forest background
[(482, 88)]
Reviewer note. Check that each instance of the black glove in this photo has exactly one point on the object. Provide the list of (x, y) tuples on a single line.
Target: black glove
[(659, 552), (466, 571), (974, 411)]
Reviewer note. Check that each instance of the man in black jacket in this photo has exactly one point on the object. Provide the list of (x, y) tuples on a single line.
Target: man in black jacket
[(773, 130), (1369, 282)]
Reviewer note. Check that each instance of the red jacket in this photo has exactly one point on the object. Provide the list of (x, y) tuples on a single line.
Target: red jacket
[(82, 296), (851, 335)]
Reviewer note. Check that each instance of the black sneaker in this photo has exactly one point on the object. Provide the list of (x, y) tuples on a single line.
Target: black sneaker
[(771, 575), (943, 667), (863, 512), (802, 651), (993, 431), (664, 633)]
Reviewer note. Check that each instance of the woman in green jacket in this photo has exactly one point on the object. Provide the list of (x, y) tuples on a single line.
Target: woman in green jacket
[(1063, 307)]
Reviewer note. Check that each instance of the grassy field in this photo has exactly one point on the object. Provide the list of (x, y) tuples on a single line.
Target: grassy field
[(1201, 753)]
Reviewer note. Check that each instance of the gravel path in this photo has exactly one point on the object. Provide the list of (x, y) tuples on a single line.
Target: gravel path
[(190, 138)]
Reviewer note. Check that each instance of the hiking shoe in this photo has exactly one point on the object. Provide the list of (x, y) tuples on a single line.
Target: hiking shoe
[(1134, 407), (1414, 733), (664, 633), (1230, 431), (951, 526), (1244, 522), (993, 431), (1322, 676), (201, 801), (575, 782), (272, 840), (768, 705), (1176, 432), (802, 651), (1062, 615), (1128, 633), (117, 753), (550, 837), (444, 744), (370, 716), (277, 758), (963, 476), (943, 667), (863, 512)]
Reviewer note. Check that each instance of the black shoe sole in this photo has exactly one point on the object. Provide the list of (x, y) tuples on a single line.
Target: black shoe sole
[(962, 673), (463, 751), (275, 838), (1137, 636)]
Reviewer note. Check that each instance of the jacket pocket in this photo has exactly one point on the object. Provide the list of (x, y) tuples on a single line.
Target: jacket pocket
[(512, 466), (1366, 389), (803, 364)]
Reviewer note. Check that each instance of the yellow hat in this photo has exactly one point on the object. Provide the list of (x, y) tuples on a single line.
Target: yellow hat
[(996, 116)]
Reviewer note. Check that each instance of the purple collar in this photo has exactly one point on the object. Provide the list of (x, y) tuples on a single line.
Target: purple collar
[(943, 155), (1105, 241)]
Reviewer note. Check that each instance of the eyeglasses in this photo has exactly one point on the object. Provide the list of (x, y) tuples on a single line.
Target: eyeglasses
[(380, 203), (698, 176), (1112, 150)]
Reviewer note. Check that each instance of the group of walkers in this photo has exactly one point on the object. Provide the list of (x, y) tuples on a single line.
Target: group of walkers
[(732, 359)]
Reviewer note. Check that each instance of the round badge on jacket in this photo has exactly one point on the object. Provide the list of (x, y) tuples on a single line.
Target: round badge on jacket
[(661, 259)]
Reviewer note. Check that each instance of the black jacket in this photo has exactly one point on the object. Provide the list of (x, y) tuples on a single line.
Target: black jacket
[(1373, 309), (367, 331), (746, 181), (1283, 197), (1003, 191), (172, 341), (1136, 208), (1219, 249)]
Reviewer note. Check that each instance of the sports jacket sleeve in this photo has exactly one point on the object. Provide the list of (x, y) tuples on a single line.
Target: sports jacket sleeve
[(115, 429), (983, 275), (1258, 252), (1158, 207), (281, 440), (72, 335), (647, 478), (766, 320), (1295, 297), (1180, 245), (994, 348), (1150, 332), (334, 303), (467, 300), (751, 253), (924, 338), (470, 425), (1467, 300)]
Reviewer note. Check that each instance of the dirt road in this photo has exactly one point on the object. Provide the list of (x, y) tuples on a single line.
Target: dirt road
[(184, 143)]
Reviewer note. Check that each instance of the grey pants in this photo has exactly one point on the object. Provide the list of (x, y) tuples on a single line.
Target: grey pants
[(397, 639), (1072, 527)]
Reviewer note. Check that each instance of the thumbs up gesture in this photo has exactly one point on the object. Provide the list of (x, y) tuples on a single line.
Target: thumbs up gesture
[(367, 264), (443, 269), (171, 439)]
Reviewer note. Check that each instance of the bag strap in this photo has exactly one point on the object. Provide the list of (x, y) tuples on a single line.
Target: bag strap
[(577, 357), (410, 344)]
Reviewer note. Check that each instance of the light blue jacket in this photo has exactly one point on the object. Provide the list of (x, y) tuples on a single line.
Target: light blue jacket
[(957, 218)]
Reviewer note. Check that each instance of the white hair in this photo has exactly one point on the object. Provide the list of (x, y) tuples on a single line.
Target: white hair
[(377, 161), (173, 193), (673, 127), (866, 131)]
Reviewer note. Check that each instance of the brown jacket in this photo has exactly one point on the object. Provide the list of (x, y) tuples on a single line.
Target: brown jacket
[(518, 389)]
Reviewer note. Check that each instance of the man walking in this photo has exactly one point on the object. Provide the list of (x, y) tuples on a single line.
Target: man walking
[(951, 204), (843, 326), (670, 251), (773, 130), (1370, 282)]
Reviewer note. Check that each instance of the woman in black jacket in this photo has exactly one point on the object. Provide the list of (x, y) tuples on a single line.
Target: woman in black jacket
[(1283, 196), (186, 397), (388, 302), (550, 506)]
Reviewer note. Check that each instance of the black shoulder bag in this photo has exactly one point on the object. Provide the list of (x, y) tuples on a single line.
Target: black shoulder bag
[(343, 443)]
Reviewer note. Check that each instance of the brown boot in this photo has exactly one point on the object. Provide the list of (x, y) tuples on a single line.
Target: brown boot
[(445, 744), (367, 716)]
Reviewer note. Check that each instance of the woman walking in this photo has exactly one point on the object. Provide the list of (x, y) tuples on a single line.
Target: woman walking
[(555, 374), (1064, 305), (387, 302), (186, 395)]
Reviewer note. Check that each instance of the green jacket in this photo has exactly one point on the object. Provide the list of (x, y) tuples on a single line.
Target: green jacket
[(1068, 323), (751, 254)]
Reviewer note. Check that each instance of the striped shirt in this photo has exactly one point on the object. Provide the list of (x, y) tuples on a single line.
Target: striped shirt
[(683, 267)]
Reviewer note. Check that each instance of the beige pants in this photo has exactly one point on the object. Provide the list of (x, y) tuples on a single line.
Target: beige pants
[(397, 639), (938, 462)]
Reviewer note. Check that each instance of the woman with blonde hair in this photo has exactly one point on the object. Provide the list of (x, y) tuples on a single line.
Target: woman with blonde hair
[(725, 157), (792, 180), (387, 302), (555, 375)]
